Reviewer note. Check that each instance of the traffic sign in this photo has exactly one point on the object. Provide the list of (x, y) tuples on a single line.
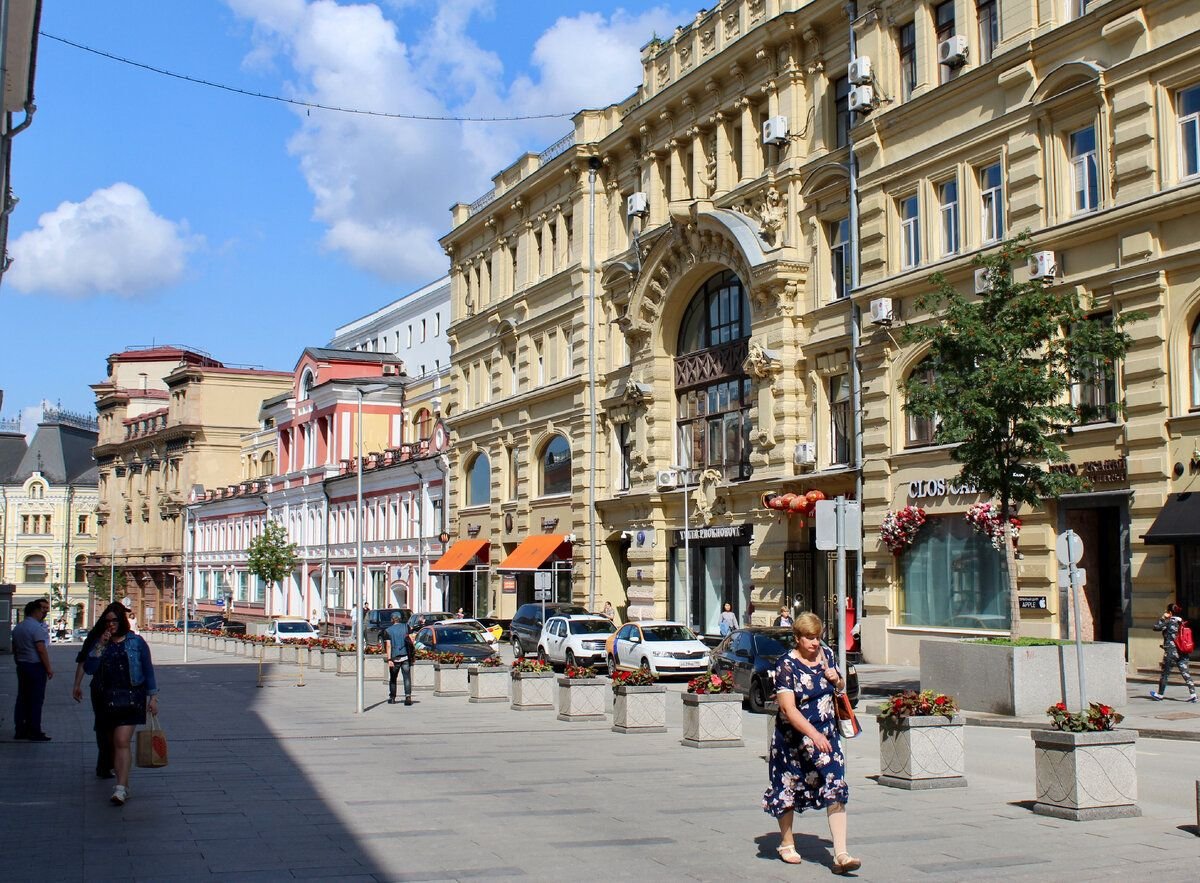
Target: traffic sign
[(826, 525), (1068, 548), (543, 585), (1067, 574)]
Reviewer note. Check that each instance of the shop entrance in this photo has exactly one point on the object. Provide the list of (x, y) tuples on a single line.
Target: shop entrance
[(1105, 534), (719, 569), (810, 580)]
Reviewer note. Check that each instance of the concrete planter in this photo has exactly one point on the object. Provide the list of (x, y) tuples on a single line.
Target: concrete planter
[(488, 684), (1021, 681), (582, 699), (329, 660), (246, 648), (314, 658), (375, 667), (347, 663), (270, 652), (532, 691), (422, 674), (640, 709), (1086, 776), (712, 720), (449, 680), (920, 753)]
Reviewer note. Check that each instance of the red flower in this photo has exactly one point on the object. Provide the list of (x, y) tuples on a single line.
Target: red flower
[(1062, 706), (941, 700)]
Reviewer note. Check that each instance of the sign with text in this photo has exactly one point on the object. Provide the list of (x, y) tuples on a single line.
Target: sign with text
[(1115, 471), (508, 584), (1032, 602), (725, 535), (543, 585)]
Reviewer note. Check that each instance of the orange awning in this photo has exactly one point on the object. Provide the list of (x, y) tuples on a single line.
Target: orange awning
[(533, 552), (459, 556)]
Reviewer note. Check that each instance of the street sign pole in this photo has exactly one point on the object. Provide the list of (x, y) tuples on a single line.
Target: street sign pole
[(840, 504), (1069, 550)]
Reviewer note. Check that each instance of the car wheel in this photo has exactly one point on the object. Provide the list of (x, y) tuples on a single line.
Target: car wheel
[(646, 666), (612, 663), (541, 654), (518, 653), (571, 658), (758, 696)]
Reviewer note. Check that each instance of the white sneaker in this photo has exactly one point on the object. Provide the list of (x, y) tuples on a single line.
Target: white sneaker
[(120, 795)]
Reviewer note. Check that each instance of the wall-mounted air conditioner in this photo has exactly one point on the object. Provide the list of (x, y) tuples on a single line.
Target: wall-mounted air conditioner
[(882, 311), (667, 479), (983, 281), (859, 71), (1043, 265), (862, 99), (952, 51), (637, 204), (804, 455), (775, 131)]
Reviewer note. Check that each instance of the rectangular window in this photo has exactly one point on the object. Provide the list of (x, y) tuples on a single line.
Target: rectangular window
[(1084, 177), (625, 452), (536, 257), (735, 151), (948, 199), (991, 188), (422, 331), (409, 338), (839, 419), (989, 29), (951, 577), (906, 41), (569, 224), (841, 111), (541, 363), (1094, 389), (910, 232), (922, 431), (83, 525), (1188, 109), (514, 382), (568, 345), (25, 524), (839, 257), (943, 19), (1079, 8)]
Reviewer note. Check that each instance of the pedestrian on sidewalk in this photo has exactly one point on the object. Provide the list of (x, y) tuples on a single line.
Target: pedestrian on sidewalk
[(105, 765), (1169, 624), (30, 640), (728, 621), (121, 661), (784, 619), (397, 647), (807, 767), (609, 612)]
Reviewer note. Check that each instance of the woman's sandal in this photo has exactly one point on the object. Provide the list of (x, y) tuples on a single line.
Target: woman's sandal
[(844, 863), (789, 854)]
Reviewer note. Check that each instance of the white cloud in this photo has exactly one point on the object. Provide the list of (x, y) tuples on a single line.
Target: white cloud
[(382, 187), (111, 242)]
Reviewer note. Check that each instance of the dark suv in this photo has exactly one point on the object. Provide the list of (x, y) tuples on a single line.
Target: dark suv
[(379, 620), (526, 626), (748, 655)]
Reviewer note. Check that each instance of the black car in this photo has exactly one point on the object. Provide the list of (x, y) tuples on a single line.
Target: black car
[(193, 624), (379, 620), (526, 627), (749, 654), (454, 638), (214, 621), (419, 620), (232, 627)]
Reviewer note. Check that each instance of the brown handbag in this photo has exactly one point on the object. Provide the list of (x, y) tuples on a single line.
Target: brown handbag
[(847, 722)]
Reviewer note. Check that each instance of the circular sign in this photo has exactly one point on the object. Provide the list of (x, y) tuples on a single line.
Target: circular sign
[(508, 522), (443, 538), (1068, 548)]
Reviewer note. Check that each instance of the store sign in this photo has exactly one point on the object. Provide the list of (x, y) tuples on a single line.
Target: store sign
[(1032, 602), (730, 535), (929, 488), (1097, 471), (508, 584)]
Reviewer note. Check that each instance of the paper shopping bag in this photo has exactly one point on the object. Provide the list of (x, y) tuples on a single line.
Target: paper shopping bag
[(152, 744)]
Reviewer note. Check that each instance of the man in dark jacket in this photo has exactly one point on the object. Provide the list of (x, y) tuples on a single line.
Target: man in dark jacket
[(398, 649)]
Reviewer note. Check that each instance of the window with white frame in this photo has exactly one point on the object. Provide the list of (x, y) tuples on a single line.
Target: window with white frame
[(948, 208), (1195, 357), (1187, 107), (625, 453), (910, 232), (989, 29), (922, 431), (839, 257), (991, 190), (1085, 183)]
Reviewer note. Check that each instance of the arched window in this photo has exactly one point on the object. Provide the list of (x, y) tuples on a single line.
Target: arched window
[(1195, 354), (921, 431), (479, 481), (80, 560), (35, 569), (268, 463), (556, 467), (37, 491), (424, 424), (711, 386), (307, 380)]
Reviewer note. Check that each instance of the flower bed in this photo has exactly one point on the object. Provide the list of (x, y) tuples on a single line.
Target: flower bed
[(1097, 719), (636, 678), (1085, 768), (532, 685), (709, 684)]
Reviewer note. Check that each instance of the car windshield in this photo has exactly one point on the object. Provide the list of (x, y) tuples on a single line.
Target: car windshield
[(592, 627), (293, 628), (668, 633), (766, 645), (455, 635)]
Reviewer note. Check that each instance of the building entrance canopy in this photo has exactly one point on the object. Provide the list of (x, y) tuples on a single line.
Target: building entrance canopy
[(534, 551), (460, 555), (1178, 522)]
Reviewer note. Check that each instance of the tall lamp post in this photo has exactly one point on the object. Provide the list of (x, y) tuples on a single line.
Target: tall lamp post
[(359, 587), (112, 569), (682, 471)]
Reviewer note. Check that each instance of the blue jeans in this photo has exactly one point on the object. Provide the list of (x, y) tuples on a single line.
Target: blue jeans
[(402, 667), (31, 693)]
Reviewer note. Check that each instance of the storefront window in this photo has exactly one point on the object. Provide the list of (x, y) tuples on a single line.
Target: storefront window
[(953, 578), (719, 575)]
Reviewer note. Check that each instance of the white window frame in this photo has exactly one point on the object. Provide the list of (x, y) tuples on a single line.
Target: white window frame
[(948, 212), (910, 232), (1079, 167), (1189, 130), (991, 200)]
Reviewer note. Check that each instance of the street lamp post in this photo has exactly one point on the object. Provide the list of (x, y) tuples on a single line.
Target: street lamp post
[(682, 471), (360, 625), (112, 569)]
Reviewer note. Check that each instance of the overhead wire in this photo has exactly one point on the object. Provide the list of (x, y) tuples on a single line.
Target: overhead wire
[(308, 105)]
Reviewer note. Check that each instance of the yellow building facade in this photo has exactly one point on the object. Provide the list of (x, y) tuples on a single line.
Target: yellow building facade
[(722, 337)]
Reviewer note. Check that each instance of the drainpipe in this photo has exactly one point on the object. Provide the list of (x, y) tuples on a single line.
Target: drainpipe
[(68, 573), (421, 531), (593, 165), (325, 551), (855, 335)]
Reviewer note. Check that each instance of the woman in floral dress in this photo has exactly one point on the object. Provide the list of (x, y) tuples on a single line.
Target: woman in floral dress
[(808, 769)]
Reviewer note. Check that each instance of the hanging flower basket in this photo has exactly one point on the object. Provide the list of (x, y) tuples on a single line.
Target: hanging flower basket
[(899, 529), (985, 518)]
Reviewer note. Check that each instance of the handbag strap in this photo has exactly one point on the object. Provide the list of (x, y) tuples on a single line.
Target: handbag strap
[(152, 723)]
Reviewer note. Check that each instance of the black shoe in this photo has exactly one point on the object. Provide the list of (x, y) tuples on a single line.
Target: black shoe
[(38, 737), (391, 700), (20, 735), (105, 774), (408, 700)]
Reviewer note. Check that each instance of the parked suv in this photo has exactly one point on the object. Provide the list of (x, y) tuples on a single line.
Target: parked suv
[(526, 626), (575, 640), (379, 620)]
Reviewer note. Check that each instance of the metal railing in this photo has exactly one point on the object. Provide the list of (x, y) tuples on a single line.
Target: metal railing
[(559, 147), (482, 202)]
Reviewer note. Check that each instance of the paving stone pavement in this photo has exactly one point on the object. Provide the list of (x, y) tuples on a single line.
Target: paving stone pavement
[(287, 783)]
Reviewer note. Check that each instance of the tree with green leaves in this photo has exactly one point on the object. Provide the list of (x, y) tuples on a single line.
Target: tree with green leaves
[(1001, 368), (270, 556)]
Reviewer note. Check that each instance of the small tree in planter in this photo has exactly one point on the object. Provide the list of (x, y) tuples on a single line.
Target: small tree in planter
[(581, 694), (532, 685), (921, 742), (1085, 768), (270, 556), (712, 713), (449, 675), (640, 704), (488, 681)]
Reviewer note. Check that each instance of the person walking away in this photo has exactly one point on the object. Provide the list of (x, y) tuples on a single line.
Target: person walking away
[(105, 765), (728, 620), (1170, 624), (30, 640), (121, 660), (807, 767), (397, 641), (784, 619)]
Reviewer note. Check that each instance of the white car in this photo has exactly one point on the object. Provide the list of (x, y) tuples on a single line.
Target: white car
[(575, 639), (286, 630), (661, 646), (486, 635)]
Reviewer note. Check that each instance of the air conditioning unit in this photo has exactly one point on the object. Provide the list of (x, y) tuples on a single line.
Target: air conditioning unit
[(862, 99), (882, 312), (860, 72), (637, 204), (805, 454), (1043, 265), (983, 282), (952, 52), (775, 131), (667, 479)]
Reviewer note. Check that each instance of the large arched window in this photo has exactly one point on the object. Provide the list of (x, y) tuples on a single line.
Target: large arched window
[(1195, 357), (711, 386), (479, 481), (556, 467), (922, 431), (307, 380), (423, 423), (268, 463), (35, 569), (80, 560)]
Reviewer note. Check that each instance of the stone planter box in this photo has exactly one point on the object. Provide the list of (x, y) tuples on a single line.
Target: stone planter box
[(347, 663), (582, 699), (375, 667), (1086, 776), (488, 683), (449, 680), (329, 660), (314, 658), (270, 652), (532, 691), (920, 753), (1021, 681), (422, 674), (241, 648), (640, 709), (712, 720)]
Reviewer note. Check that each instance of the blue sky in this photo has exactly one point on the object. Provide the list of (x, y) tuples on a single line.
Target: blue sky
[(153, 210)]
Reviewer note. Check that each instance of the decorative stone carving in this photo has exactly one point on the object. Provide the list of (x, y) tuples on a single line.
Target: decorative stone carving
[(708, 40), (705, 496), (756, 9), (732, 25), (762, 363)]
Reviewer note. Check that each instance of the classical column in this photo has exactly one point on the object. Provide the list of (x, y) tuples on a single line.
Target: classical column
[(751, 157), (722, 157)]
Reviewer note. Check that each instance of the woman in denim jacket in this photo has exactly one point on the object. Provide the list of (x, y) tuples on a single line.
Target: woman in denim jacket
[(121, 662)]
